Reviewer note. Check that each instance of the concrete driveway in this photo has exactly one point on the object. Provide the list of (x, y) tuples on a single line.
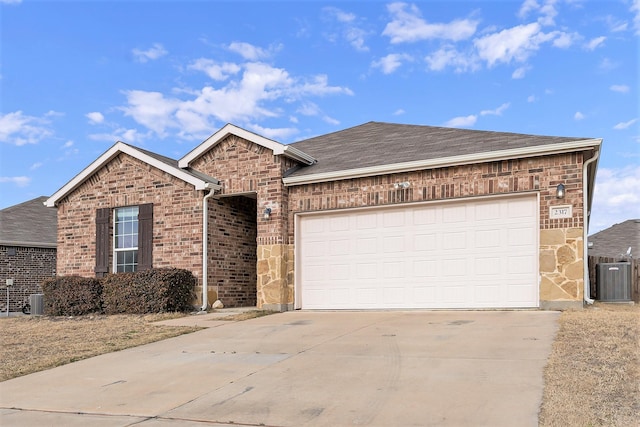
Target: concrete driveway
[(424, 368)]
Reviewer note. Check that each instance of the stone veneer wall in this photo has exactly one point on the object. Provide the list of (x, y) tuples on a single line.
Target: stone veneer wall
[(28, 268), (126, 181), (561, 282)]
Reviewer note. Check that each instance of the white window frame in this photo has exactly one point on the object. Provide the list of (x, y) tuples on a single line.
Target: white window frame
[(134, 249)]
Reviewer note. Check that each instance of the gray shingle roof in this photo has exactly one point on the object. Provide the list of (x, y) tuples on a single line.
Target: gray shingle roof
[(29, 224), (376, 143), (616, 239)]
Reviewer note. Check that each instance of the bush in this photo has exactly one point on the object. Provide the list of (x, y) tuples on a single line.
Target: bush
[(152, 291), (71, 296)]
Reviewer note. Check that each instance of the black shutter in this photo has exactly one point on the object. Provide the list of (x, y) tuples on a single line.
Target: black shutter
[(102, 242), (145, 236)]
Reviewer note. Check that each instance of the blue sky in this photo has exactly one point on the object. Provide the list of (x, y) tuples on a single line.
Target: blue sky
[(77, 76)]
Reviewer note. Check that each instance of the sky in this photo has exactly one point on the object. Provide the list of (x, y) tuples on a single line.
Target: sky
[(77, 76)]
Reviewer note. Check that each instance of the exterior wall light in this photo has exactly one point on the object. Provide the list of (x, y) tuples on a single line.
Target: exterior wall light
[(399, 185), (267, 213), (560, 191)]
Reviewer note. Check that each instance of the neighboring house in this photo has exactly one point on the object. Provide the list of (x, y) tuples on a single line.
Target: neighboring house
[(27, 250), (375, 216), (616, 240)]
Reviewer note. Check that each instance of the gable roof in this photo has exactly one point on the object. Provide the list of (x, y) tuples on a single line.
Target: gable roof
[(29, 224), (198, 180), (229, 129), (379, 148), (615, 240)]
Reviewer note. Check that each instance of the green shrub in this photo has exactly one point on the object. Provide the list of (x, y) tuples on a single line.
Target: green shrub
[(152, 291), (71, 296)]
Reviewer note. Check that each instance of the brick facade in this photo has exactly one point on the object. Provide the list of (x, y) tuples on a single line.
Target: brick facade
[(251, 258), (539, 174), (126, 181), (28, 267)]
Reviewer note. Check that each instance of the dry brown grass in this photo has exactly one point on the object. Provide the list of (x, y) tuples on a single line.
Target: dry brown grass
[(30, 344), (593, 374)]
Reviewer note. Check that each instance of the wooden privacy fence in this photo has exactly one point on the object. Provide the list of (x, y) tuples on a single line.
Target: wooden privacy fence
[(635, 274)]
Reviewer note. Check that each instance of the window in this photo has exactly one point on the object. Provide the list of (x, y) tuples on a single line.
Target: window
[(125, 239)]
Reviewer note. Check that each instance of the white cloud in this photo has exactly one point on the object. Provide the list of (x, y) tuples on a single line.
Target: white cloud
[(564, 40), (398, 112), (578, 116), (68, 144), (19, 129), (95, 117), (20, 181), (546, 10), (251, 52), (462, 121), (10, 1), (625, 125), (390, 63), (616, 198), (277, 134), (214, 69), (247, 96), (154, 52), (497, 112), (407, 25), (595, 43), (512, 44), (635, 9), (619, 88), (36, 165), (531, 98), (520, 72), (120, 134), (353, 33), (607, 65), (448, 56)]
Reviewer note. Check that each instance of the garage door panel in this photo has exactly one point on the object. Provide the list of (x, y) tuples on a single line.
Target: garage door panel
[(459, 255)]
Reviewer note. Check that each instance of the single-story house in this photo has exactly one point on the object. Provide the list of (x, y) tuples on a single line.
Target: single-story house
[(615, 241), (28, 241), (376, 216)]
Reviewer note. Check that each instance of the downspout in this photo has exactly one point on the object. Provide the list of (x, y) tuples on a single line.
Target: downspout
[(587, 211), (205, 235)]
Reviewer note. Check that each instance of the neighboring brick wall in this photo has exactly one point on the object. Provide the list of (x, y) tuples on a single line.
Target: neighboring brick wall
[(126, 181), (232, 250), (28, 268)]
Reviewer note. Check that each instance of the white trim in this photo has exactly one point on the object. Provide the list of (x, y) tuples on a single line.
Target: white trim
[(230, 129), (110, 154), (540, 150)]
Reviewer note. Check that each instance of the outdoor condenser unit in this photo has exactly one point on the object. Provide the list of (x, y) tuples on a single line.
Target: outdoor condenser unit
[(36, 301), (614, 281)]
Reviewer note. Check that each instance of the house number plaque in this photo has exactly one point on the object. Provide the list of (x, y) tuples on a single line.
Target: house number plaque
[(557, 212)]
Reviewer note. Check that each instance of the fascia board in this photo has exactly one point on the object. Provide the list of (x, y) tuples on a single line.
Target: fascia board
[(541, 150), (29, 244), (110, 154), (230, 129)]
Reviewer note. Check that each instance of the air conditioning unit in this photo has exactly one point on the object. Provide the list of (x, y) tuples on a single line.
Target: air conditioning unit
[(613, 282), (36, 301)]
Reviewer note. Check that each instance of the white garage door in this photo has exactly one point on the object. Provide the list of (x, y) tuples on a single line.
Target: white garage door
[(471, 254)]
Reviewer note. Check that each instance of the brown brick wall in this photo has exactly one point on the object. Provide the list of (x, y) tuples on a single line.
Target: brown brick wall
[(28, 268), (125, 181), (513, 176), (245, 167), (232, 250)]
